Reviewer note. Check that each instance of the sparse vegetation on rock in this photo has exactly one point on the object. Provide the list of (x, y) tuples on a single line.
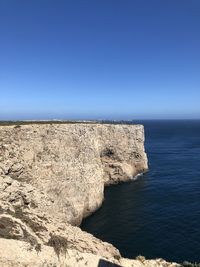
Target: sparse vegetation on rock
[(60, 244), (190, 264)]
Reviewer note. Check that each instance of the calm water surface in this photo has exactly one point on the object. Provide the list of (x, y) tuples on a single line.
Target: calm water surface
[(157, 215)]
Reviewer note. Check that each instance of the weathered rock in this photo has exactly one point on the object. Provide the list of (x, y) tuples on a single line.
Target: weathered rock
[(14, 253), (52, 176), (24, 216), (70, 163)]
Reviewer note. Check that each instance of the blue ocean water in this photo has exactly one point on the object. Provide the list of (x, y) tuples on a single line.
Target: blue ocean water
[(158, 215)]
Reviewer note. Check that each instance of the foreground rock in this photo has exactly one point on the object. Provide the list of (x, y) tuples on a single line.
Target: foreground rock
[(18, 254), (51, 177)]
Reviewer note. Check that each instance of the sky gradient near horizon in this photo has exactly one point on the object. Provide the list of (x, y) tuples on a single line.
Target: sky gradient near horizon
[(108, 59)]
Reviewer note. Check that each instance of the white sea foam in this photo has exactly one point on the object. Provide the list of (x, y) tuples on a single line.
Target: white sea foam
[(137, 176)]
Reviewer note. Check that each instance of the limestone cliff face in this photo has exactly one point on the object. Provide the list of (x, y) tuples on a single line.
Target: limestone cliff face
[(70, 163), (53, 175)]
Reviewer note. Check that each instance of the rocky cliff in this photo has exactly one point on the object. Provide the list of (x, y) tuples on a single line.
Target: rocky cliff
[(67, 165), (52, 176)]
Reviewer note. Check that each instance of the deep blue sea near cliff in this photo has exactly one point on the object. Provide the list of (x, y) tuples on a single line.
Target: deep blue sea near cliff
[(158, 215)]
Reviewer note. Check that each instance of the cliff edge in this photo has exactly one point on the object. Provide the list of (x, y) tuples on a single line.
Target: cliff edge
[(53, 175), (71, 163)]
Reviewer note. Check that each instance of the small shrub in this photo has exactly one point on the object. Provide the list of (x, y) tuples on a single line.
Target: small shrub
[(190, 264), (34, 244), (60, 244)]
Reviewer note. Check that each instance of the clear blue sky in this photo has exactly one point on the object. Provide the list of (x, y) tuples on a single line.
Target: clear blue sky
[(109, 59)]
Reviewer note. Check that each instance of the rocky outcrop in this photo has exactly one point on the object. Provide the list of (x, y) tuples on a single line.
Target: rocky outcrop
[(68, 165), (18, 254), (53, 175)]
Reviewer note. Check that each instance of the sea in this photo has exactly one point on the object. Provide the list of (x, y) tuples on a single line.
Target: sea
[(157, 215)]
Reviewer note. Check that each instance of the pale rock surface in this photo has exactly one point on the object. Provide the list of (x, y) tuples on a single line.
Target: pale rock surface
[(68, 164), (14, 253), (51, 177)]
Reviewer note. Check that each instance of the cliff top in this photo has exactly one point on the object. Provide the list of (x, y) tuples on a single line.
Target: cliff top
[(27, 122)]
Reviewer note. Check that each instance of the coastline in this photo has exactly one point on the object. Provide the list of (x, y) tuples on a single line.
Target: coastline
[(33, 206)]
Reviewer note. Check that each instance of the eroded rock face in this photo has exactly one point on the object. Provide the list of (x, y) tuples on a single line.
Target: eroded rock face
[(70, 163), (51, 176)]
